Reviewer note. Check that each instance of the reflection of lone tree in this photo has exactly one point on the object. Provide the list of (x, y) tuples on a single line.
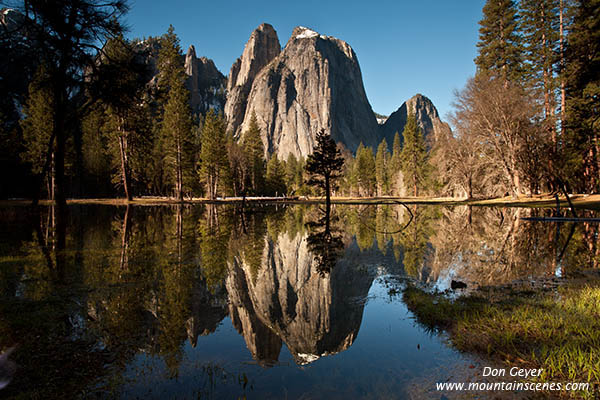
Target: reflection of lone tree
[(325, 164), (324, 242)]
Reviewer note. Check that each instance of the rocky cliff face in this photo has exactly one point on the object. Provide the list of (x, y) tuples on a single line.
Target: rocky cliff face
[(262, 47), (289, 301), (314, 83), (427, 118), (205, 83)]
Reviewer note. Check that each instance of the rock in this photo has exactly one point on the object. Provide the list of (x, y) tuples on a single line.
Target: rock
[(457, 285), (262, 47), (288, 301), (314, 83), (427, 118), (205, 82)]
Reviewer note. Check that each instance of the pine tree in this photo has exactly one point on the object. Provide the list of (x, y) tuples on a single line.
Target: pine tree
[(324, 165), (582, 76), (395, 164), (238, 166), (291, 167), (364, 168), (96, 154), (123, 109), (382, 168), (255, 156), (214, 163), (176, 129), (37, 128), (414, 158), (176, 136), (500, 47), (70, 29), (276, 177), (540, 23)]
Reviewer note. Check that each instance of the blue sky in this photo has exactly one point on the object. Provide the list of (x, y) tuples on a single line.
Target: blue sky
[(403, 47)]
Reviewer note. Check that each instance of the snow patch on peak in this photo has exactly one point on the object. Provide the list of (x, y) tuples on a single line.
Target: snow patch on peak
[(308, 358), (306, 33)]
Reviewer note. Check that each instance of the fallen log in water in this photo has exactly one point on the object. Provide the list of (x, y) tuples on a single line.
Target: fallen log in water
[(561, 219)]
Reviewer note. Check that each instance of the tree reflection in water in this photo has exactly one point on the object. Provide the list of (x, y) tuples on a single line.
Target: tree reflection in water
[(325, 240), (124, 283)]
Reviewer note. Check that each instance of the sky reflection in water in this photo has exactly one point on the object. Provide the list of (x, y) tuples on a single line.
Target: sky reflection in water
[(219, 303)]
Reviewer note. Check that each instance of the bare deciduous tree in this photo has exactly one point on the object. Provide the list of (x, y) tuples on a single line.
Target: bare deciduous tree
[(498, 118)]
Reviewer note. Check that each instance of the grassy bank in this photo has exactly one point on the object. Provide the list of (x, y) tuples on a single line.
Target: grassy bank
[(558, 331)]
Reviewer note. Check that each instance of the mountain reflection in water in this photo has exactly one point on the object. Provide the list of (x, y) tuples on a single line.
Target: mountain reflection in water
[(138, 286)]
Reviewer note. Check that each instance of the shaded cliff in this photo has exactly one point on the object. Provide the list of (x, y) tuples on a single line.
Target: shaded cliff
[(204, 81), (427, 118)]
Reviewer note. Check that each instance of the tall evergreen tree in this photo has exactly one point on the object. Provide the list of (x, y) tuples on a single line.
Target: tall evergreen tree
[(37, 129), (238, 166), (65, 33), (96, 154), (214, 163), (396, 164), (364, 168), (255, 156), (414, 158), (276, 177), (540, 23), (176, 130), (582, 75), (500, 47), (291, 166), (324, 165), (382, 168), (125, 74)]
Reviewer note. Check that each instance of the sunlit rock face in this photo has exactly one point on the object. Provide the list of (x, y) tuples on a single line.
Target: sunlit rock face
[(262, 342), (314, 83), (313, 314), (427, 118), (262, 47)]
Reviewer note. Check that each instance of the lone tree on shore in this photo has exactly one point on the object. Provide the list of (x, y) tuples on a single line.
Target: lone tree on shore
[(324, 165)]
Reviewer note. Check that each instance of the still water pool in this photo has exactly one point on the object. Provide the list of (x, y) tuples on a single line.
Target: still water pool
[(268, 302)]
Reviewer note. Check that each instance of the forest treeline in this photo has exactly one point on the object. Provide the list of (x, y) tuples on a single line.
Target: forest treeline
[(528, 121), (91, 125)]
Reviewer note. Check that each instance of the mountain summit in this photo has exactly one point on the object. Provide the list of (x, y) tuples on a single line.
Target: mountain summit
[(314, 83), (427, 118)]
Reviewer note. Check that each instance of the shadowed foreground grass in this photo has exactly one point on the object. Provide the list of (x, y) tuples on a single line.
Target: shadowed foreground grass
[(557, 331)]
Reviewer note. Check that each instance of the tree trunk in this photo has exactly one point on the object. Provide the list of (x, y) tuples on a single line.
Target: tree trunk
[(179, 183), (52, 177), (470, 186), (59, 159), (562, 67), (125, 239), (327, 193), (124, 165)]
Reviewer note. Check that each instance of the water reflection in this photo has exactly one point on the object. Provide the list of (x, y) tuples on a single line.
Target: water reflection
[(151, 281), (303, 294)]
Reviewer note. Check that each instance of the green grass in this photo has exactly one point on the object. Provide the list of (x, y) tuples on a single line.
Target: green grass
[(557, 331)]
